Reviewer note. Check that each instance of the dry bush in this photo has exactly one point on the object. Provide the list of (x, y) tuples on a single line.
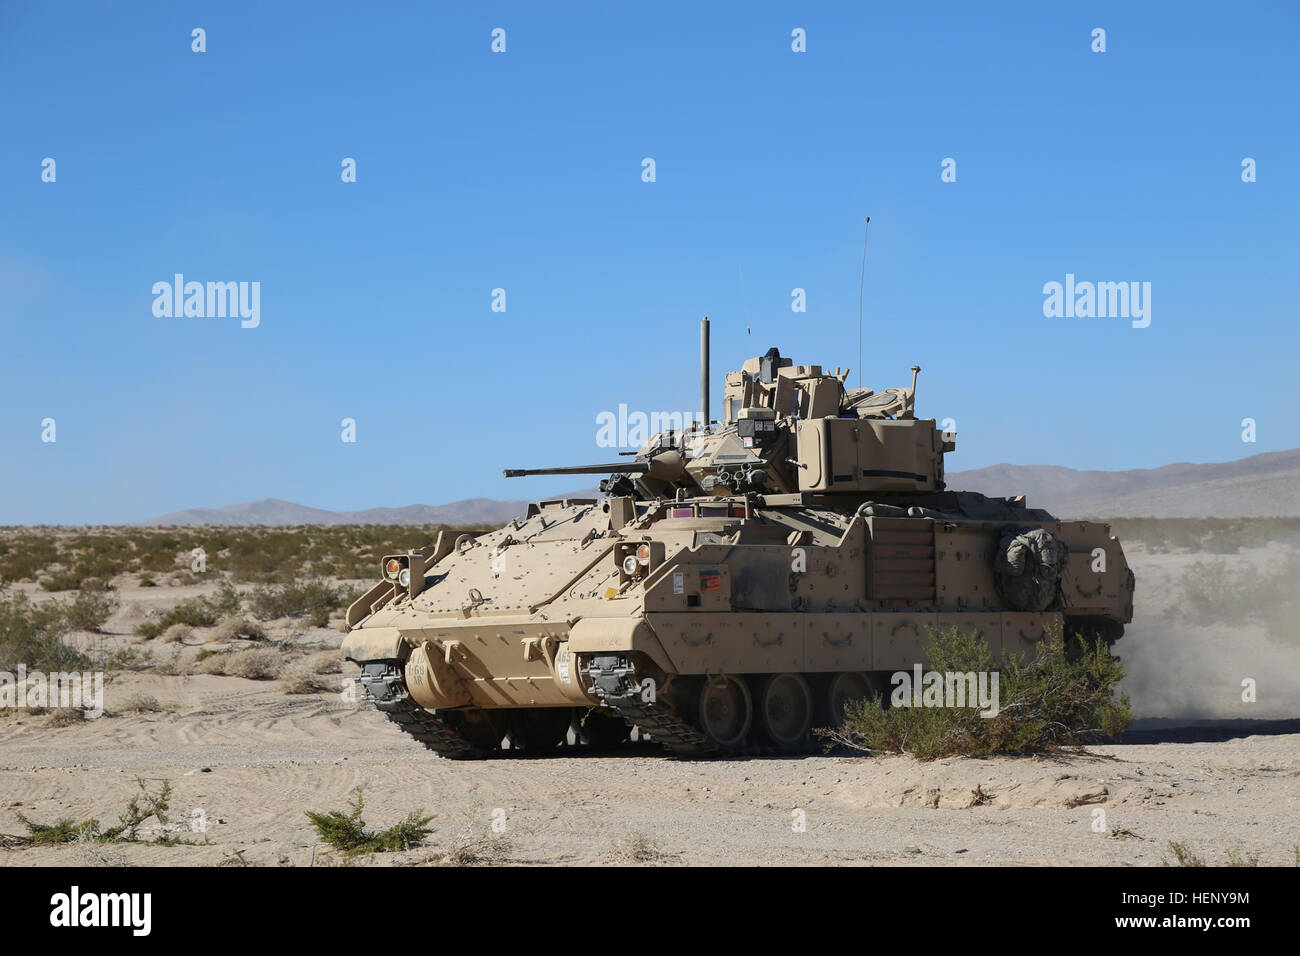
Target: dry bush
[(140, 704), (636, 848), (256, 663), (173, 666), (176, 634), (65, 717), (326, 662), (483, 851), (211, 664), (238, 628), (301, 679)]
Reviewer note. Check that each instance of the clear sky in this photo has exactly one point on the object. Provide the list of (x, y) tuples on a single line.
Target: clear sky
[(523, 171)]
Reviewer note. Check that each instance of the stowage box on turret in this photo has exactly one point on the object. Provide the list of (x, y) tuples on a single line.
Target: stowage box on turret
[(737, 585)]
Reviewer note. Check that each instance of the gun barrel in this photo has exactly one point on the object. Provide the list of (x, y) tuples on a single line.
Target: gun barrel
[(625, 467)]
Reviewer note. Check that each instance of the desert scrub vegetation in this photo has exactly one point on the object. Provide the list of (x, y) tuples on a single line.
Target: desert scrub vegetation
[(255, 663), (310, 676), (347, 831), (32, 634), (143, 807), (1059, 700), (313, 600), (266, 555), (203, 611), (1181, 854)]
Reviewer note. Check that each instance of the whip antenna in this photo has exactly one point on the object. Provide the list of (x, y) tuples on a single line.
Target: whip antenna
[(861, 280), (744, 300)]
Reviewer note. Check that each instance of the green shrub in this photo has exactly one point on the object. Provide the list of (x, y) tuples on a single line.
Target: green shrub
[(1063, 698), (298, 599), (196, 612), (347, 831), (32, 634), (61, 581), (67, 830), (90, 610)]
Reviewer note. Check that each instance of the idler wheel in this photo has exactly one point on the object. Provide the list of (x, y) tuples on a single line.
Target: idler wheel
[(726, 711), (785, 711)]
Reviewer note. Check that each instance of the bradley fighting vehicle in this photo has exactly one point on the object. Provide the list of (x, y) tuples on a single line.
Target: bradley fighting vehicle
[(739, 583)]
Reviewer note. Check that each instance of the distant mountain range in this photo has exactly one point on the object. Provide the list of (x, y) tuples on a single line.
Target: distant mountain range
[(1265, 485), (274, 511)]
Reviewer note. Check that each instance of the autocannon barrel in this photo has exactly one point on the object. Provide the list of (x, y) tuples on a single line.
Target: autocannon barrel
[(667, 466), (626, 467)]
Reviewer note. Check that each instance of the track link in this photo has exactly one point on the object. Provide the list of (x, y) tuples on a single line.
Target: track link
[(384, 684), (623, 691)]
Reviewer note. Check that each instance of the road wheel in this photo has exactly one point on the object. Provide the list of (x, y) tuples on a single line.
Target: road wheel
[(845, 687), (726, 711), (785, 711), (483, 728), (539, 728)]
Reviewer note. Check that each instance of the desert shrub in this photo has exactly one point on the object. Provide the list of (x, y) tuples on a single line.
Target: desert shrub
[(65, 717), (61, 581), (140, 704), (195, 612), (257, 663), (326, 662), (90, 610), (636, 848), (32, 634), (210, 663), (1062, 698), (26, 555), (238, 628), (301, 680), (176, 634), (226, 601), (143, 806), (347, 831), (298, 599), (1182, 855)]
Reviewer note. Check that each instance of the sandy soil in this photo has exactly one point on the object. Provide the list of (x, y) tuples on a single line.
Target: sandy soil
[(253, 759)]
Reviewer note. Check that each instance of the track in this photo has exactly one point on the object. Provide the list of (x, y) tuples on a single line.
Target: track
[(621, 689), (383, 683)]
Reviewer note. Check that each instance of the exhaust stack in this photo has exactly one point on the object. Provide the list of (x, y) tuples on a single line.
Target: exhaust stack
[(704, 372)]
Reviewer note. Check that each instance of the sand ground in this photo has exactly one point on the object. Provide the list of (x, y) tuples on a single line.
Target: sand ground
[(253, 759)]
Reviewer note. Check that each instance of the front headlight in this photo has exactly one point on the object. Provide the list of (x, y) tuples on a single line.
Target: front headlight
[(404, 577), (630, 565)]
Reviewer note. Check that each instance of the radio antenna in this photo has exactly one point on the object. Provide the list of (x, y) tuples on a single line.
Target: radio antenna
[(744, 301), (861, 280)]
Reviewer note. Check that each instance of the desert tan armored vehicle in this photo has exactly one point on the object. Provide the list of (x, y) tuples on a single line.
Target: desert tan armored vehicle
[(739, 583)]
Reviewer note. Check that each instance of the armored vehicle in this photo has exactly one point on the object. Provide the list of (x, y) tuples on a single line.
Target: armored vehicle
[(739, 582)]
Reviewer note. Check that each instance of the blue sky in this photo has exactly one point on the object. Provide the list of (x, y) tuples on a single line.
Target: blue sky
[(522, 170)]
